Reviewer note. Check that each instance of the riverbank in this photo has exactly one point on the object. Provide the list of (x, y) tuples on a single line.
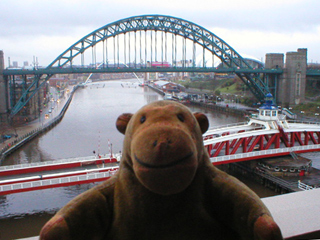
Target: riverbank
[(237, 109), (242, 112), (29, 131)]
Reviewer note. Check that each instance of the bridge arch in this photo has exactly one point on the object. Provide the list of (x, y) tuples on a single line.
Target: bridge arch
[(176, 26), (197, 35)]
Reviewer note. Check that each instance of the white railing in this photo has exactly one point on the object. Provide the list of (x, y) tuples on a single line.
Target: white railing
[(232, 130), (233, 136), (46, 163), (56, 181), (263, 152), (288, 113), (54, 162), (304, 186), (303, 122), (228, 125)]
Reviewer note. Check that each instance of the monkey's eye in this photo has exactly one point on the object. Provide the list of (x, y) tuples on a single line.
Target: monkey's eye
[(180, 117), (143, 119)]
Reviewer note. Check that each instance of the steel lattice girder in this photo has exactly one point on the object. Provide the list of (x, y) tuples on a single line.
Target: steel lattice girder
[(264, 142)]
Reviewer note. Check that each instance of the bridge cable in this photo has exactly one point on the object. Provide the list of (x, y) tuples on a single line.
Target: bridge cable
[(135, 49), (151, 48), (162, 48), (107, 64), (114, 52), (129, 49), (118, 48)]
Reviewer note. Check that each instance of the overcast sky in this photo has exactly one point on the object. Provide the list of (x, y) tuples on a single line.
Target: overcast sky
[(45, 28)]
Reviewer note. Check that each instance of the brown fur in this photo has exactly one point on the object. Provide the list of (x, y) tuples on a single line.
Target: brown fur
[(166, 188)]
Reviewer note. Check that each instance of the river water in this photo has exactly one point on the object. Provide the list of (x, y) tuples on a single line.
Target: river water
[(87, 126)]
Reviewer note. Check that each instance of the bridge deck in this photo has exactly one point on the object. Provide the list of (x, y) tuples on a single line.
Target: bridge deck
[(64, 172), (44, 180), (116, 69), (54, 165)]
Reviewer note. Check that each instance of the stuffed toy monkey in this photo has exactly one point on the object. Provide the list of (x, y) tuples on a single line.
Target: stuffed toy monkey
[(166, 188)]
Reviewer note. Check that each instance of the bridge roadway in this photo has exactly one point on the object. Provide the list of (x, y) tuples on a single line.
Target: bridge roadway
[(70, 70)]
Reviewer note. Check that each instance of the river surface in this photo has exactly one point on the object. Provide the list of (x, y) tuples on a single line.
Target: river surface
[(87, 126)]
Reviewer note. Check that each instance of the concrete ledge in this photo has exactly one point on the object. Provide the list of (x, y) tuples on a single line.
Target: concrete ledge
[(297, 214)]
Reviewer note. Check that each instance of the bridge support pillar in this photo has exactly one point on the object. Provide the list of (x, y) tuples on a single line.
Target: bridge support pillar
[(3, 91), (275, 61), (146, 76)]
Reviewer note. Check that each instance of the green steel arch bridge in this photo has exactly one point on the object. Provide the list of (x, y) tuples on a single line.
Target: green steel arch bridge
[(132, 45)]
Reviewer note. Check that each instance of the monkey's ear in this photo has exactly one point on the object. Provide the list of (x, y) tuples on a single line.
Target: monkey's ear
[(122, 122), (202, 120)]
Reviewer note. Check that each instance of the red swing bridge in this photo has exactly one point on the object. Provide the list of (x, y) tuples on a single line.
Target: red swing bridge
[(267, 134)]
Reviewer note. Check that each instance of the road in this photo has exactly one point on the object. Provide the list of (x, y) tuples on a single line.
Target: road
[(52, 110)]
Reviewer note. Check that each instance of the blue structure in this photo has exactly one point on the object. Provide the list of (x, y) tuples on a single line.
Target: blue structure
[(268, 110)]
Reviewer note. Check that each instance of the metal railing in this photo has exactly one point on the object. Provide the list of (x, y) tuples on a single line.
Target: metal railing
[(304, 186), (54, 162), (232, 129), (303, 122), (263, 152), (57, 181), (228, 125), (292, 186), (46, 163)]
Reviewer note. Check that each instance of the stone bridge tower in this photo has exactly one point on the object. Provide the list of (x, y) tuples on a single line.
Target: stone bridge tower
[(289, 88), (274, 61), (296, 74)]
